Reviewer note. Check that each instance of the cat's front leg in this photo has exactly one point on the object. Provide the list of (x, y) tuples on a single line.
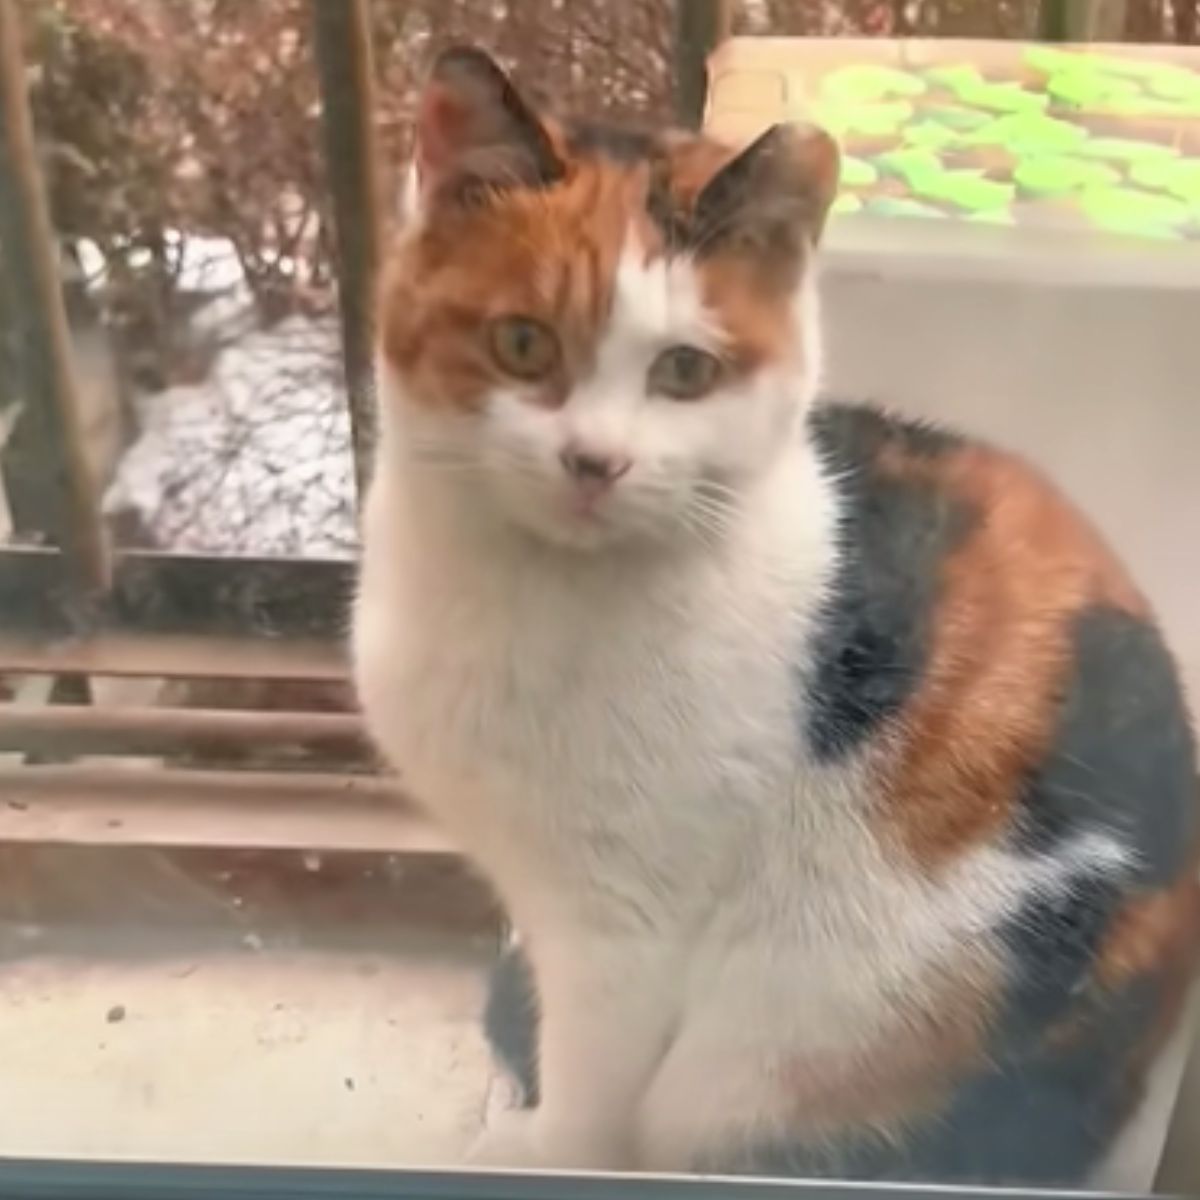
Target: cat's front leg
[(607, 1006)]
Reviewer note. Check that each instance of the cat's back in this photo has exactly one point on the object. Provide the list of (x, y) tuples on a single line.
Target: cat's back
[(975, 606), (986, 654)]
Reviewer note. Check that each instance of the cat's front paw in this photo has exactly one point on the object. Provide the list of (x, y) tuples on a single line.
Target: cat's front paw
[(508, 1141), (524, 1140)]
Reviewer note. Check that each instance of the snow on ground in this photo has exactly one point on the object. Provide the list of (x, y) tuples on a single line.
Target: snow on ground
[(205, 263), (255, 459)]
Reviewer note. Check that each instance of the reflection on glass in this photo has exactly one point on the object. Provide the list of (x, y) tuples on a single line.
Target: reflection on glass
[(786, 786)]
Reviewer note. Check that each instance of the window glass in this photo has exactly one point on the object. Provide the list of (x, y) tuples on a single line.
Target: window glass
[(846, 836)]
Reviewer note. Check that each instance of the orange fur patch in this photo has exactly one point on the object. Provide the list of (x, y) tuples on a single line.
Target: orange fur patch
[(754, 314), (1000, 653), (548, 254), (1160, 928)]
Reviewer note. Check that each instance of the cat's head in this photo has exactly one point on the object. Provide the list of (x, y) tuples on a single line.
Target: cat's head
[(600, 335)]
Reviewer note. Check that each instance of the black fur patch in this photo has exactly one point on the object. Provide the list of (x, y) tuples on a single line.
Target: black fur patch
[(617, 142), (510, 1021), (1123, 758), (759, 203), (1053, 941), (1042, 1116), (873, 640)]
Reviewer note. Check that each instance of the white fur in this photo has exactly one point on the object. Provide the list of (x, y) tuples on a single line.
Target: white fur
[(607, 718)]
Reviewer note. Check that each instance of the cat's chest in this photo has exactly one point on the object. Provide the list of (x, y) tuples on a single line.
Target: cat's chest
[(536, 708)]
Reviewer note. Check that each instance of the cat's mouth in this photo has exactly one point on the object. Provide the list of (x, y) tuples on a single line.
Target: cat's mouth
[(587, 503), (587, 518), (578, 518)]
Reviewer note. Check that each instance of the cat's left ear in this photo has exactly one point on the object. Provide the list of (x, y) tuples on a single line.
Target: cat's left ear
[(474, 131), (775, 194)]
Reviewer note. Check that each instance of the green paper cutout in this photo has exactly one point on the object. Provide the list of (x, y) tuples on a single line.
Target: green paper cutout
[(865, 82), (1178, 176), (1090, 89), (955, 116), (1056, 175), (857, 172), (965, 189), (1028, 133), (1130, 207), (1099, 134), (930, 135), (909, 164), (1125, 149), (870, 120)]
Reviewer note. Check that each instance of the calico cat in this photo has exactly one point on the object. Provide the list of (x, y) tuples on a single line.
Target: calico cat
[(832, 769)]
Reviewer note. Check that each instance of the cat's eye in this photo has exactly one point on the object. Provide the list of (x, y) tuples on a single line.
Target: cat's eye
[(684, 373), (523, 347)]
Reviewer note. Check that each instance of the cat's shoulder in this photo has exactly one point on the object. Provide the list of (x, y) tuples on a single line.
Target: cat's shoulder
[(912, 471), (852, 434)]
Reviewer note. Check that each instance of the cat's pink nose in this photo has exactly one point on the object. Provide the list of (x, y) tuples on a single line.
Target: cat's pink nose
[(594, 467)]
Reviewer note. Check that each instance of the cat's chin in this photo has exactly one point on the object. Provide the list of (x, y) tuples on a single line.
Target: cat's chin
[(560, 528), (581, 535), (552, 517)]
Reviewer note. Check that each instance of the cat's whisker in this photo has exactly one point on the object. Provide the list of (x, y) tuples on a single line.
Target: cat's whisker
[(729, 500), (699, 517), (442, 460), (716, 511), (713, 487), (435, 455)]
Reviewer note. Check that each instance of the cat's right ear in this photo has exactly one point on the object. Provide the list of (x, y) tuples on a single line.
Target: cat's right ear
[(774, 194), (475, 133)]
